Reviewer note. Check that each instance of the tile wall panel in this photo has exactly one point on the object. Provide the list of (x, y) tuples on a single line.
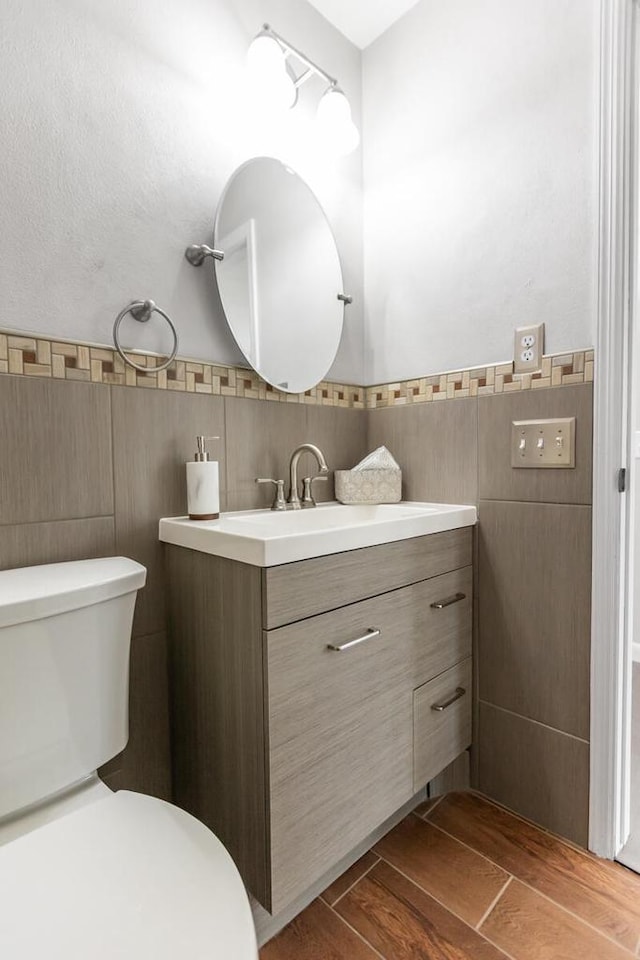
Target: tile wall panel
[(154, 433), (27, 544), (498, 480), (261, 438), (342, 437), (535, 602), (436, 445), (535, 770), (56, 450)]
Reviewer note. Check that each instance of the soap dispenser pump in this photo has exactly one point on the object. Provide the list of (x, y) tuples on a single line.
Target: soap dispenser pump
[(203, 484)]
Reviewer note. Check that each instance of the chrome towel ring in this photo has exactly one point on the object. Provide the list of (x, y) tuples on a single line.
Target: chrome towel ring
[(141, 311)]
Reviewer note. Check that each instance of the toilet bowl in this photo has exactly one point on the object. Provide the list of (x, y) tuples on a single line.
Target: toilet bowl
[(85, 872)]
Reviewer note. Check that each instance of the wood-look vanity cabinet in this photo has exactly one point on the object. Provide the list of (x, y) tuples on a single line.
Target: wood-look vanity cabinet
[(293, 751)]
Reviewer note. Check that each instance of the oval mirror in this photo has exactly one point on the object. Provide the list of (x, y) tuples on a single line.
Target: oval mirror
[(280, 278)]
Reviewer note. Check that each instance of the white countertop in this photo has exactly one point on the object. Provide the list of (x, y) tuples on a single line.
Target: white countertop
[(267, 538)]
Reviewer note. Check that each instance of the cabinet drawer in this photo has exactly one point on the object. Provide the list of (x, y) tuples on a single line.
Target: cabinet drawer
[(340, 736), (440, 735), (297, 590), (443, 620)]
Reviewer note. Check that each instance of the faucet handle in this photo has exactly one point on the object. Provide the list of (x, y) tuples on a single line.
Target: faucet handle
[(279, 502), (307, 491)]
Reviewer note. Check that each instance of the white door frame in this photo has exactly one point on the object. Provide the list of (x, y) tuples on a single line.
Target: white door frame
[(610, 653)]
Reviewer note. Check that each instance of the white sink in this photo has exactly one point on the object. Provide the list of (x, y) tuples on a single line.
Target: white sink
[(266, 538)]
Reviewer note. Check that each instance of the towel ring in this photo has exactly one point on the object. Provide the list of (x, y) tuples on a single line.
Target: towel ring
[(141, 311)]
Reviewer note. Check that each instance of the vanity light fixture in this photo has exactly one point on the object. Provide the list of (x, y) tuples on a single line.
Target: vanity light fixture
[(270, 60)]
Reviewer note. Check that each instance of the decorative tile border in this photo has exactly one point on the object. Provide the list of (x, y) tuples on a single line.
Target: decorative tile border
[(66, 360), (59, 360), (557, 371)]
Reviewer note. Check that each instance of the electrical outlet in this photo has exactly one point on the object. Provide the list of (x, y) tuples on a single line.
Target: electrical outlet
[(529, 347)]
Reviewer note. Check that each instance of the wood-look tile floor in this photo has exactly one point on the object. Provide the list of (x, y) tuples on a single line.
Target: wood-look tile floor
[(464, 879)]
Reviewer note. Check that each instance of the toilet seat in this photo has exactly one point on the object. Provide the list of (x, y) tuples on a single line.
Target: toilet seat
[(125, 877)]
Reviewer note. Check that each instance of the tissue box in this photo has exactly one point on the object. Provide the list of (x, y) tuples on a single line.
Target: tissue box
[(368, 486)]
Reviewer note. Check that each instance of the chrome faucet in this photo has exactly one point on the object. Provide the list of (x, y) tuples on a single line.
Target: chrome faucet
[(293, 500)]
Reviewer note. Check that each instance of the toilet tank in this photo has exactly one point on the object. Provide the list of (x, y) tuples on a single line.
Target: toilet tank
[(65, 633)]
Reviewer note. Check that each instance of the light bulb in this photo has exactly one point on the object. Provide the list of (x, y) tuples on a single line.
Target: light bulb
[(334, 108), (265, 55), (271, 74), (335, 122)]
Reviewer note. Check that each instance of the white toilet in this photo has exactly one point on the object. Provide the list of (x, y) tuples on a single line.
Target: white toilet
[(85, 872)]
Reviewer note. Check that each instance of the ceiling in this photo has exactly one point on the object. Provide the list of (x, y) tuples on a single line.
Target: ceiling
[(362, 20)]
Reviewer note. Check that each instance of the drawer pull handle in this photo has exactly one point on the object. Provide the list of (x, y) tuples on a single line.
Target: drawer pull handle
[(439, 707), (456, 598), (369, 635)]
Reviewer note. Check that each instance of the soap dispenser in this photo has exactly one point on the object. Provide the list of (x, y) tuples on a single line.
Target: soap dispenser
[(203, 485)]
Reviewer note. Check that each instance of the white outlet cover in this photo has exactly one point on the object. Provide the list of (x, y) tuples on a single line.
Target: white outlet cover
[(529, 346)]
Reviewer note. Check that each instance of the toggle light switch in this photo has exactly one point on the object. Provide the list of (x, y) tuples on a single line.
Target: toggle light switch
[(543, 443)]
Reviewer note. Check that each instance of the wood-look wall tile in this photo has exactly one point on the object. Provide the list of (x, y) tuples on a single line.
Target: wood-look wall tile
[(498, 480), (24, 545), (262, 436), (341, 435), (112, 777), (535, 609), (436, 447), (153, 435), (260, 439), (145, 763), (538, 772), (56, 451)]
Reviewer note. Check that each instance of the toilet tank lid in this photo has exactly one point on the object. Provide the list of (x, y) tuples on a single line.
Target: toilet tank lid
[(32, 593)]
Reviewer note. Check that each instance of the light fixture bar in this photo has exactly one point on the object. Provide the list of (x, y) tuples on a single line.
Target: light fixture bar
[(309, 64)]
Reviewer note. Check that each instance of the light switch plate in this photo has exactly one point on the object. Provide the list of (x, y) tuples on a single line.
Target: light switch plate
[(528, 349), (544, 443)]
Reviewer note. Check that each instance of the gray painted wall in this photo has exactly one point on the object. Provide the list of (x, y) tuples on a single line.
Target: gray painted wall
[(121, 123), (480, 182)]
